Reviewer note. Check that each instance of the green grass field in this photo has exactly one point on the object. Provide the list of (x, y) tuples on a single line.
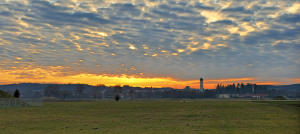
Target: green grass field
[(153, 117)]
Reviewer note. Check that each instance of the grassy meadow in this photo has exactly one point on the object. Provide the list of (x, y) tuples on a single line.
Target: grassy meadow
[(154, 117)]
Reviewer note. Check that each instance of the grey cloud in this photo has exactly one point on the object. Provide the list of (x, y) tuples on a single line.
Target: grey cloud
[(125, 10), (203, 7), (290, 18), (164, 14), (225, 22), (176, 9), (59, 16), (238, 10), (287, 34), (5, 13)]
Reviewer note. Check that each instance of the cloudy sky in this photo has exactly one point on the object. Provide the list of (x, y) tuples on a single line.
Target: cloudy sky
[(150, 42)]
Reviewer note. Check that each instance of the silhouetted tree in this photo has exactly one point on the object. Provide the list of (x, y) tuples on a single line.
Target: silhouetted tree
[(79, 89), (65, 93), (238, 88), (132, 93), (218, 86), (95, 92), (242, 85), (117, 91), (100, 90), (17, 94)]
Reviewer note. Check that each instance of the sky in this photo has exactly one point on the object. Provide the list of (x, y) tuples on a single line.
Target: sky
[(159, 43)]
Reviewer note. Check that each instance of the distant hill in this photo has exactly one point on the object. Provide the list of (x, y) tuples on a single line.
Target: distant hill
[(4, 94), (28, 89), (294, 87)]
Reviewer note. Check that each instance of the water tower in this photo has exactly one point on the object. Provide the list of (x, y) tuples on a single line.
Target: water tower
[(201, 85)]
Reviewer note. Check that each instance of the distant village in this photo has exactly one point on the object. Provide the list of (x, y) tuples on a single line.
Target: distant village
[(82, 91)]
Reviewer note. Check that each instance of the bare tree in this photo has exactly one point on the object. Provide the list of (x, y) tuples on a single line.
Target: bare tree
[(52, 91), (95, 92), (132, 93), (66, 93), (79, 89)]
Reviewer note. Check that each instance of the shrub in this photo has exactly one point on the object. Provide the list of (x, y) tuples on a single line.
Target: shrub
[(4, 94), (117, 97)]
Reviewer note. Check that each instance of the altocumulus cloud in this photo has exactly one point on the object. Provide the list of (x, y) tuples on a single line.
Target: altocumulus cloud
[(183, 39)]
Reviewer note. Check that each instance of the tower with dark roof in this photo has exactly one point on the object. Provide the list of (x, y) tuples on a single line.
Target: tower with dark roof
[(201, 85)]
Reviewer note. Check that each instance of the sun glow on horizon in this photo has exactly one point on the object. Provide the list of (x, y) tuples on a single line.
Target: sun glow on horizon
[(60, 75)]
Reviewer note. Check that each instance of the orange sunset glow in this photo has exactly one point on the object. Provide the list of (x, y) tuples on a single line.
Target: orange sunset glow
[(56, 75)]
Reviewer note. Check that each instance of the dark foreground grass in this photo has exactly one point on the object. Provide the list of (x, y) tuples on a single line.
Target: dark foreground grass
[(153, 117)]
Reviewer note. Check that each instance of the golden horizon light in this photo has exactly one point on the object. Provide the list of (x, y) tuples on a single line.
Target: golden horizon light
[(56, 75)]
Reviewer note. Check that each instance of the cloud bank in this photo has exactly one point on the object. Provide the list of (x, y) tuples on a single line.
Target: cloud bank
[(181, 39)]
